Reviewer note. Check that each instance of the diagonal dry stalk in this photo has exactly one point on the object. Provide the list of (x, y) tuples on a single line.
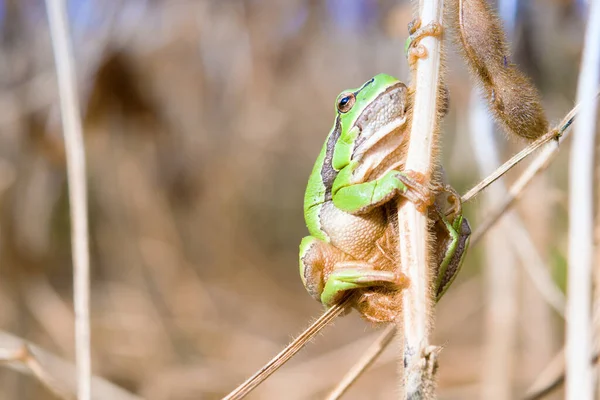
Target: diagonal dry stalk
[(71, 119), (25, 357), (557, 133), (55, 373), (419, 359), (296, 345), (364, 362), (552, 377)]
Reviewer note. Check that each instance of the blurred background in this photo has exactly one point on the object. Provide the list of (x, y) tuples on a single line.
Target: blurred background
[(202, 121)]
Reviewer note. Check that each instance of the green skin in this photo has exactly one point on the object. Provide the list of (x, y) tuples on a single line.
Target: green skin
[(345, 208)]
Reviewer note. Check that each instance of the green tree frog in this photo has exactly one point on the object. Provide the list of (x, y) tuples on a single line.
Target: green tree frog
[(349, 212)]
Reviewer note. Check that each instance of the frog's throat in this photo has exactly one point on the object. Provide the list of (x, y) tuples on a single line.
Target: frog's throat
[(373, 157), (381, 133)]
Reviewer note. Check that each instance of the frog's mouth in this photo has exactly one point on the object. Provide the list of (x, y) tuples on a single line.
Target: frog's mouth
[(382, 129)]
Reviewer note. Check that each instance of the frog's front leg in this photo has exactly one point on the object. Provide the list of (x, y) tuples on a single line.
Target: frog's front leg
[(327, 272), (459, 232), (363, 197)]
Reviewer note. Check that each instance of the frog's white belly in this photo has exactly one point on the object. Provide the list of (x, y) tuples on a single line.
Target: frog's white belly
[(355, 235)]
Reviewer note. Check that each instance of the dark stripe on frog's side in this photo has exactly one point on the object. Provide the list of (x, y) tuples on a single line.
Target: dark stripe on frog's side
[(328, 173)]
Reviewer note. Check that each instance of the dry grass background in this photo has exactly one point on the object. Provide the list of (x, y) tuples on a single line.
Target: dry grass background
[(202, 121)]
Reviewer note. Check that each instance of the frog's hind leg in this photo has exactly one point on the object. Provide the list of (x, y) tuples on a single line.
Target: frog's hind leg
[(352, 274), (459, 232), (327, 272)]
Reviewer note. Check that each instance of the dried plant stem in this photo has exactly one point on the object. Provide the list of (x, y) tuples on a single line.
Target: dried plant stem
[(58, 375), (287, 353), (520, 238), (71, 119), (363, 363), (557, 133), (560, 133), (419, 360), (23, 356), (579, 380), (551, 377)]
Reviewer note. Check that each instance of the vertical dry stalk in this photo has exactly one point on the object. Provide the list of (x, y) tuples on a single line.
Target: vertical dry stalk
[(419, 367), (75, 153), (501, 309), (579, 383)]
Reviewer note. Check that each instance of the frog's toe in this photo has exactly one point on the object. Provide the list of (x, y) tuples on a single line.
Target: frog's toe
[(418, 190)]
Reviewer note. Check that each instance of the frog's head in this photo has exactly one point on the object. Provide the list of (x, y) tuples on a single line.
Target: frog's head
[(371, 121)]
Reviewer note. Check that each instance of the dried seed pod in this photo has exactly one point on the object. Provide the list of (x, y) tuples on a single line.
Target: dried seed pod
[(512, 98)]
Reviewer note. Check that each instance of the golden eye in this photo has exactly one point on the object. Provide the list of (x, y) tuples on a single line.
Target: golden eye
[(345, 102)]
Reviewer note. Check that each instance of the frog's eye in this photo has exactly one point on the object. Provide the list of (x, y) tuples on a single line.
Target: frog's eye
[(345, 102)]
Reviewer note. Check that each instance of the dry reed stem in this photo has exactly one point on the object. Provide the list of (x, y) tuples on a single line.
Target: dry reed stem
[(521, 240), (363, 363), (58, 375), (553, 134), (578, 348), (383, 340), (534, 265), (295, 346), (75, 152), (538, 165), (23, 356), (418, 361), (50, 311), (551, 377)]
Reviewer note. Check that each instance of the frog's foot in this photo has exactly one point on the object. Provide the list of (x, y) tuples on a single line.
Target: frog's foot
[(418, 191), (414, 50), (348, 275), (455, 203), (379, 305)]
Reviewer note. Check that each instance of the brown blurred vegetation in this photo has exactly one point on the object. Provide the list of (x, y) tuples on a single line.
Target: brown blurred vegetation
[(202, 121)]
